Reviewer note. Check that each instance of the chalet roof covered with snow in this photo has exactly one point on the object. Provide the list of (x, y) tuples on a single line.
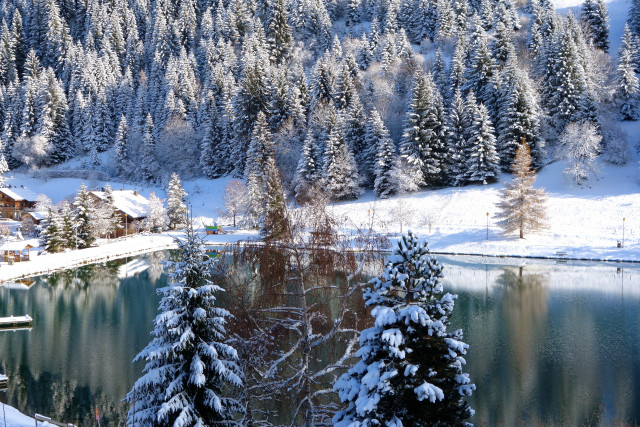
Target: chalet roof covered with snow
[(19, 193), (129, 202)]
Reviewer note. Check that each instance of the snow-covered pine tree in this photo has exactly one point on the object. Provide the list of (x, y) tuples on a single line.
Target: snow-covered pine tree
[(149, 166), (50, 236), (628, 97), (260, 153), (481, 159), (340, 172), (522, 207), (309, 168), (123, 147), (176, 208), (424, 132), (4, 168), (67, 229), (355, 124), (596, 17), (378, 139), (83, 207), (112, 218), (518, 116), (409, 370), (480, 71), (457, 128), (188, 365), (279, 35)]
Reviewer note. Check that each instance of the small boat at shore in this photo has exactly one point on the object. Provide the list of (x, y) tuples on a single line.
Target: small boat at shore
[(15, 321)]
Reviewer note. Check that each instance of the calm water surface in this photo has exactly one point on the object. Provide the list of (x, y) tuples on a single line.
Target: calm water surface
[(549, 343)]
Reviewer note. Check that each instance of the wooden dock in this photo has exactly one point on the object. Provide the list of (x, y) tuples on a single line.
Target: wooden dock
[(15, 321)]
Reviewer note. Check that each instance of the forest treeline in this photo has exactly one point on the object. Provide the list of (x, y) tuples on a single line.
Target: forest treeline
[(393, 95)]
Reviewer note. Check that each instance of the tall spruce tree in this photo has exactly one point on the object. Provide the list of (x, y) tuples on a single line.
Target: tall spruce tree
[(425, 131), (409, 370), (259, 155), (189, 366), (340, 172), (628, 88), (385, 156), (482, 161), (83, 207), (596, 17)]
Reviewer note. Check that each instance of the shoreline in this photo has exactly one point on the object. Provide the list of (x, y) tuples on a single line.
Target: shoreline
[(146, 243)]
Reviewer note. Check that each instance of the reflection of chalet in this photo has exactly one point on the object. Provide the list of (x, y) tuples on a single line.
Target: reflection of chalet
[(14, 201), (131, 206)]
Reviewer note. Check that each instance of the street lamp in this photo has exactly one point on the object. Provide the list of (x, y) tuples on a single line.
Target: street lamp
[(487, 225), (623, 219)]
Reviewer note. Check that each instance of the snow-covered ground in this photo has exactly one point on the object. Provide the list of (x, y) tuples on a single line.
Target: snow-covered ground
[(12, 418)]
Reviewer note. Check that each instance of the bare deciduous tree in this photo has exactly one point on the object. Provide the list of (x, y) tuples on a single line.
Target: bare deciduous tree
[(235, 198)]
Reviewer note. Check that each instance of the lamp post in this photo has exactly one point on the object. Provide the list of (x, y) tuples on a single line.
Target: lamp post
[(623, 219), (487, 225)]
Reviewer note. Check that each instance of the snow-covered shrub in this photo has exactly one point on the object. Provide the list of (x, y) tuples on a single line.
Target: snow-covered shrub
[(615, 143), (580, 145)]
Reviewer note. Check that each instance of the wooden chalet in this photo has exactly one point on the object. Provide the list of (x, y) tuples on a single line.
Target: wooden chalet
[(35, 217), (131, 206), (14, 201)]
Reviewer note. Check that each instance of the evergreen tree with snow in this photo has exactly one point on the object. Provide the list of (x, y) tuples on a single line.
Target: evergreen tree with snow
[(149, 166), (481, 158), (596, 17), (628, 97), (67, 230), (279, 35), (259, 155), (409, 370), (308, 171), (425, 130), (340, 173), (522, 207), (175, 203), (457, 128), (83, 207), (518, 116), (385, 156), (4, 168), (188, 364), (50, 236), (123, 147), (112, 218)]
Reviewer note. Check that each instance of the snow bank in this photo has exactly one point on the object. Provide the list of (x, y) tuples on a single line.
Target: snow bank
[(14, 418)]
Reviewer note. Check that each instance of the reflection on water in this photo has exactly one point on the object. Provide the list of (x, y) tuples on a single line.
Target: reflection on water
[(549, 344), (88, 326)]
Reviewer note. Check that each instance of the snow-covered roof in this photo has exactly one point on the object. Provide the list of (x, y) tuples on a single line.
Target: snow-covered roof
[(38, 216), (20, 193), (129, 202)]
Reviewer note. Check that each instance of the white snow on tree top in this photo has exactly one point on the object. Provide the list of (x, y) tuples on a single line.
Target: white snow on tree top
[(129, 202), (20, 193)]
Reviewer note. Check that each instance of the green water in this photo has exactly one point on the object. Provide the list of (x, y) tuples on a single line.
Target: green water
[(549, 343)]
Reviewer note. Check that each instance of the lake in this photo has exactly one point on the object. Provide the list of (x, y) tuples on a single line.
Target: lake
[(550, 343)]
